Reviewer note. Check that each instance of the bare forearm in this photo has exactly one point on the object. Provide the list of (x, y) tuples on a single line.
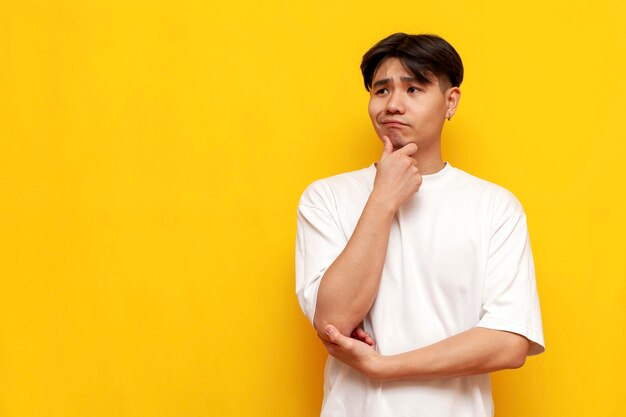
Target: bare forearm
[(350, 284), (475, 351)]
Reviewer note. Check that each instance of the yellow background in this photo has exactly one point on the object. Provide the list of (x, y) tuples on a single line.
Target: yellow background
[(153, 153)]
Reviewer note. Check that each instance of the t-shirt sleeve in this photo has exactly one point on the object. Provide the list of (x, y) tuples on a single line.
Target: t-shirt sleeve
[(510, 301), (319, 241)]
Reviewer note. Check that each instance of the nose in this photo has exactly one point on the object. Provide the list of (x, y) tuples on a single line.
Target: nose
[(395, 104)]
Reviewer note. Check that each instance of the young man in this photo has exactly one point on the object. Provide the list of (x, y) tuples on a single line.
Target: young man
[(417, 276)]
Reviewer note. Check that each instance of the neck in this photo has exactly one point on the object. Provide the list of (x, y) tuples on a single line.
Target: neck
[(429, 159)]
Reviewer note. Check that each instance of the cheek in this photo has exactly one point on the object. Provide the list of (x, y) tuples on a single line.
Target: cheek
[(433, 112), (372, 109)]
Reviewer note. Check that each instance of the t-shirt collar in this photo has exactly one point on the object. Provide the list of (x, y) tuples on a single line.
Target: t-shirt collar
[(429, 181)]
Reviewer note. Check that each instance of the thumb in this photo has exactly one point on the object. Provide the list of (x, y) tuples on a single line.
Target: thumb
[(335, 335), (388, 149)]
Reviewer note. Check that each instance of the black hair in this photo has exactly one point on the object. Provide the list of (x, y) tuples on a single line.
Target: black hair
[(423, 55)]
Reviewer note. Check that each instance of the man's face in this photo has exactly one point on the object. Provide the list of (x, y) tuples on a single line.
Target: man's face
[(403, 109)]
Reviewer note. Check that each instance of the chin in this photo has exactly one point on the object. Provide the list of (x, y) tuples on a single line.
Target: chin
[(395, 138), (400, 141)]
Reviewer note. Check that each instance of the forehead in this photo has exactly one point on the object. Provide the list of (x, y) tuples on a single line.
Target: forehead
[(390, 66)]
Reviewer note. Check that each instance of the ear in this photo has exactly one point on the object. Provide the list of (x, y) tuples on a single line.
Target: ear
[(453, 96)]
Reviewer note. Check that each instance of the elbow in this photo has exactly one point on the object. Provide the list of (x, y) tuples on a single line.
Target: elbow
[(320, 326), (517, 361), (320, 322), (518, 352), (324, 316)]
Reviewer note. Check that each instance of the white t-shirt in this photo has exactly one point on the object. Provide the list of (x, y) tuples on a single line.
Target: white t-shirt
[(458, 257)]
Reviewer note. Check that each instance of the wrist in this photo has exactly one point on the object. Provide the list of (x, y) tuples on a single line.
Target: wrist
[(379, 368), (382, 203)]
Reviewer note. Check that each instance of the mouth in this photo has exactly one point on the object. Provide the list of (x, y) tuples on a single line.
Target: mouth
[(393, 123)]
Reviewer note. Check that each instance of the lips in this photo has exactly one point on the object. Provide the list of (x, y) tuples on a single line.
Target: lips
[(393, 122)]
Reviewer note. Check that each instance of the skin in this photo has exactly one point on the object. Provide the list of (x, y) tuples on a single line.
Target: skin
[(475, 351), (408, 117), (407, 112)]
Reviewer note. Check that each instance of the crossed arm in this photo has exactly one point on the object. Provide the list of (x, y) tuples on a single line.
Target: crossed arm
[(350, 285), (476, 351)]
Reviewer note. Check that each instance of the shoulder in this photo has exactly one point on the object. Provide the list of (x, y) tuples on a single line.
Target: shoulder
[(496, 198), (325, 191)]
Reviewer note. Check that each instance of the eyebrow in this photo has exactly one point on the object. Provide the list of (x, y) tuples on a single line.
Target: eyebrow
[(387, 80)]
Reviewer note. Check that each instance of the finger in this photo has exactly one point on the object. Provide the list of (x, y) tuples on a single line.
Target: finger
[(388, 147), (408, 149), (364, 336), (360, 333), (336, 337), (373, 344)]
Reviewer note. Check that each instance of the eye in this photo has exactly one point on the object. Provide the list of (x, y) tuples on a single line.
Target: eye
[(381, 91), (413, 90)]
